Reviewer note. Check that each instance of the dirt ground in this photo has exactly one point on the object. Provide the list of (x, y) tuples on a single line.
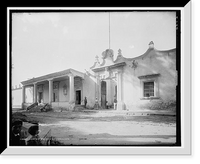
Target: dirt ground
[(105, 127)]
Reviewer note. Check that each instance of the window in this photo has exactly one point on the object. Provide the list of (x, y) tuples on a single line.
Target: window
[(148, 89), (149, 86)]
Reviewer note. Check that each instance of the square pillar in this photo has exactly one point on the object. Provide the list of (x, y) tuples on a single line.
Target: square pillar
[(108, 91), (97, 86), (120, 103)]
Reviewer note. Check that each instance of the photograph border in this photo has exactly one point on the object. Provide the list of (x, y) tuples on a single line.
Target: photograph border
[(184, 149)]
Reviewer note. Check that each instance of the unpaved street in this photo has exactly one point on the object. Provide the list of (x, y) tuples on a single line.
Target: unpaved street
[(78, 128)]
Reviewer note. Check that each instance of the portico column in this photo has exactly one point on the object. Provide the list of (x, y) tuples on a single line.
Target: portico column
[(35, 92), (120, 103), (23, 94), (50, 90), (71, 87)]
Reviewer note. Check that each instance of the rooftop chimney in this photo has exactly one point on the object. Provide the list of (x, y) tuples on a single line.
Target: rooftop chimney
[(151, 45)]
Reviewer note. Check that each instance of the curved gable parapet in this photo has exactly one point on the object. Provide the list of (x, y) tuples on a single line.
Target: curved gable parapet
[(103, 63), (120, 59), (141, 56), (167, 52), (95, 65), (152, 52)]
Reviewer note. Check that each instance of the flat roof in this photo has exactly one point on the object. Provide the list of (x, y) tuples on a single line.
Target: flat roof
[(54, 75)]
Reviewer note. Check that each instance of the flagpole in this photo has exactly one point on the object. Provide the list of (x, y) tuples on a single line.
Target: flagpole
[(109, 30)]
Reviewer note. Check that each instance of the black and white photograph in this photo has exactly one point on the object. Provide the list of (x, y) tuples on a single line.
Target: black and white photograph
[(95, 78)]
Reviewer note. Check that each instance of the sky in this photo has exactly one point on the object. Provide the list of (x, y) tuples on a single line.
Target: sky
[(47, 42)]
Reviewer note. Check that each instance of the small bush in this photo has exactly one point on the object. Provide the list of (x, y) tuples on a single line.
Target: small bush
[(161, 105)]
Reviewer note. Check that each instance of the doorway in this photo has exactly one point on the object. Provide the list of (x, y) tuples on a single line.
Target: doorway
[(78, 97), (103, 94), (40, 97), (55, 96)]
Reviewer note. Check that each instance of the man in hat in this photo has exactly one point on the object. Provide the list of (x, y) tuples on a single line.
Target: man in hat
[(16, 134), (35, 139)]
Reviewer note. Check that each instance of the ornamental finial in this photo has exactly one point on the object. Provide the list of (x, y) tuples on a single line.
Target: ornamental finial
[(120, 52)]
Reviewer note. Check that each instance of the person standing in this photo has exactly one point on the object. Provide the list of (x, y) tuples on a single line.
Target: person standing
[(96, 104), (115, 103), (85, 102), (106, 104)]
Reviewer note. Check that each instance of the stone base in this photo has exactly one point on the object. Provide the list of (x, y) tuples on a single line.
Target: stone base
[(120, 105)]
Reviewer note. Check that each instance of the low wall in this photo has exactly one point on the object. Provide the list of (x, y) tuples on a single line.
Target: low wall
[(59, 106)]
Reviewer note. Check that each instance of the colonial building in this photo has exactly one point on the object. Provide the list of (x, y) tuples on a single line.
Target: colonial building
[(58, 89), (137, 81), (134, 82)]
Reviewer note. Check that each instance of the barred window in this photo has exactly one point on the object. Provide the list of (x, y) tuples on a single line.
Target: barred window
[(148, 89)]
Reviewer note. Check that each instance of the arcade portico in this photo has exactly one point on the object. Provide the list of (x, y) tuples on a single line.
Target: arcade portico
[(57, 89)]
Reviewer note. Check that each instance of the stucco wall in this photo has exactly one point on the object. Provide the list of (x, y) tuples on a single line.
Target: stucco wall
[(17, 98), (46, 93), (29, 95), (89, 83), (155, 62), (62, 96)]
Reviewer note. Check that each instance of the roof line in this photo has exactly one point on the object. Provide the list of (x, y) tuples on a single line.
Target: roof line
[(51, 75), (146, 53)]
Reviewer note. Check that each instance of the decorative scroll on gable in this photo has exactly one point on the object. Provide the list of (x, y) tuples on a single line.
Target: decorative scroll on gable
[(96, 63), (108, 53), (107, 57)]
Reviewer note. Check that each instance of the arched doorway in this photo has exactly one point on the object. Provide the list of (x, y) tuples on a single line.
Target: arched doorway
[(103, 94)]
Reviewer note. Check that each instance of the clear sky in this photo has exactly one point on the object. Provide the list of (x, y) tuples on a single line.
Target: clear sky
[(44, 43)]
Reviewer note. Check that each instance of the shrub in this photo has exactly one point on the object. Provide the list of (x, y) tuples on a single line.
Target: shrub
[(161, 105)]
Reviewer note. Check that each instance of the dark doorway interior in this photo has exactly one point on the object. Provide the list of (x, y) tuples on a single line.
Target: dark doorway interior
[(78, 97), (103, 94), (55, 96), (40, 97)]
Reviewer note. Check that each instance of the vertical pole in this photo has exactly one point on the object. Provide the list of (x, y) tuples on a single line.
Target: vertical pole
[(109, 30)]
